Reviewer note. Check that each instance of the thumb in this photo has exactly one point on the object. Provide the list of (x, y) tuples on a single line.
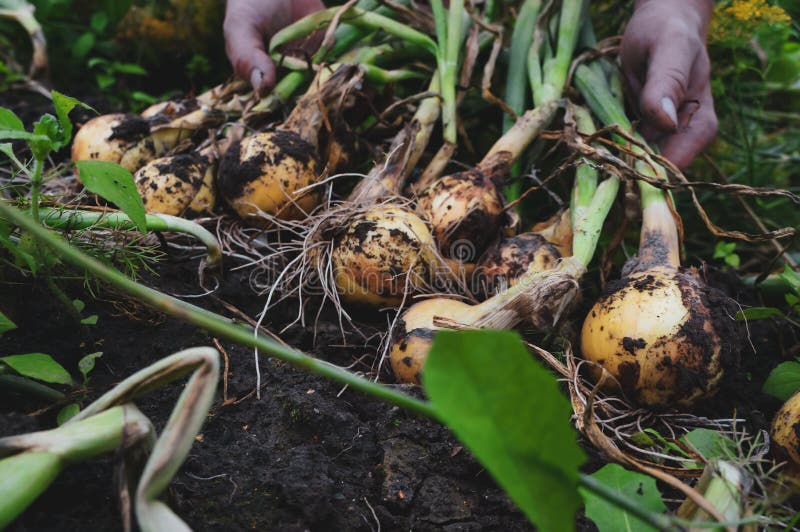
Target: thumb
[(245, 48), (667, 81)]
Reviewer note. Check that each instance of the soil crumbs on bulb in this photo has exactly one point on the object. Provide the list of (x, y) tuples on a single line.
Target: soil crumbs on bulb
[(306, 456)]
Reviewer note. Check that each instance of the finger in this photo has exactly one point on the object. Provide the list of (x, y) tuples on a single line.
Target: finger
[(244, 45), (699, 127), (668, 75)]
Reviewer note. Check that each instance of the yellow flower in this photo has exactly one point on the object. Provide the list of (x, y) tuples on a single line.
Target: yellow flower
[(734, 23)]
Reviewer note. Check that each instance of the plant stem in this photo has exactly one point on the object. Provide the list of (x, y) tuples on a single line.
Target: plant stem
[(70, 220), (211, 322), (27, 386), (357, 17), (516, 95), (555, 69), (36, 182)]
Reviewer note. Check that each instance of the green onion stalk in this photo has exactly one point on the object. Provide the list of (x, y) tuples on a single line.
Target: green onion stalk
[(46, 466), (547, 73), (75, 219), (517, 90), (451, 28), (110, 424)]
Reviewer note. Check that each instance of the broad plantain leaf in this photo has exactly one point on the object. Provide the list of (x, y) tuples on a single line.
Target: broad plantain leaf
[(508, 409), (115, 184), (38, 366), (783, 381), (6, 324), (634, 486)]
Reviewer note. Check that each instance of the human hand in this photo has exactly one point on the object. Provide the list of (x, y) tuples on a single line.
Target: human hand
[(665, 63), (248, 23)]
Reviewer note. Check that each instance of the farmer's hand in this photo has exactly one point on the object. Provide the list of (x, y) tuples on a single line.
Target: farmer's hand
[(666, 65), (248, 23)]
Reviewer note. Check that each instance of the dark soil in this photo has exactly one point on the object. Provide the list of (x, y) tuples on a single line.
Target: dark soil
[(303, 457)]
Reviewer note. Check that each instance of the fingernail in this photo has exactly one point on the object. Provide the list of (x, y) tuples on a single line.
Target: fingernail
[(669, 109), (255, 79)]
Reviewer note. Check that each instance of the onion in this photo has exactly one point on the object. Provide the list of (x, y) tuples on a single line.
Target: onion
[(502, 265), (785, 434), (386, 251), (268, 172), (537, 296), (176, 184), (118, 138), (664, 336), (467, 206), (382, 255)]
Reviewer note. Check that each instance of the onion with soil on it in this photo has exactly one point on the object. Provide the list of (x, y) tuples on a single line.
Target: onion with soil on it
[(177, 184), (385, 251), (664, 336), (271, 172), (785, 433)]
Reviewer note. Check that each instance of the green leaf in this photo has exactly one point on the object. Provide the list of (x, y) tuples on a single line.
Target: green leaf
[(67, 413), (78, 304), (21, 256), (90, 320), (510, 412), (99, 21), (723, 249), (9, 120), (129, 68), (783, 381), (63, 105), (6, 324), (709, 443), (83, 45), (791, 278), (22, 135), (38, 366), (758, 313), (48, 127), (115, 184), (86, 364), (635, 486), (733, 260)]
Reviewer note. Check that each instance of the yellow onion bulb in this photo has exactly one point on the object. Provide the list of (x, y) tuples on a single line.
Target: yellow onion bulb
[(465, 212), (177, 183), (502, 265), (413, 335), (664, 336), (785, 433), (111, 138), (383, 254), (266, 172)]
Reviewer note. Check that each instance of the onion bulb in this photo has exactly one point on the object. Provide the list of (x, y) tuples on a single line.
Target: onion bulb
[(118, 138), (266, 172), (463, 208), (502, 265), (536, 294), (663, 335), (176, 184), (269, 172), (467, 206), (383, 254), (785, 433)]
